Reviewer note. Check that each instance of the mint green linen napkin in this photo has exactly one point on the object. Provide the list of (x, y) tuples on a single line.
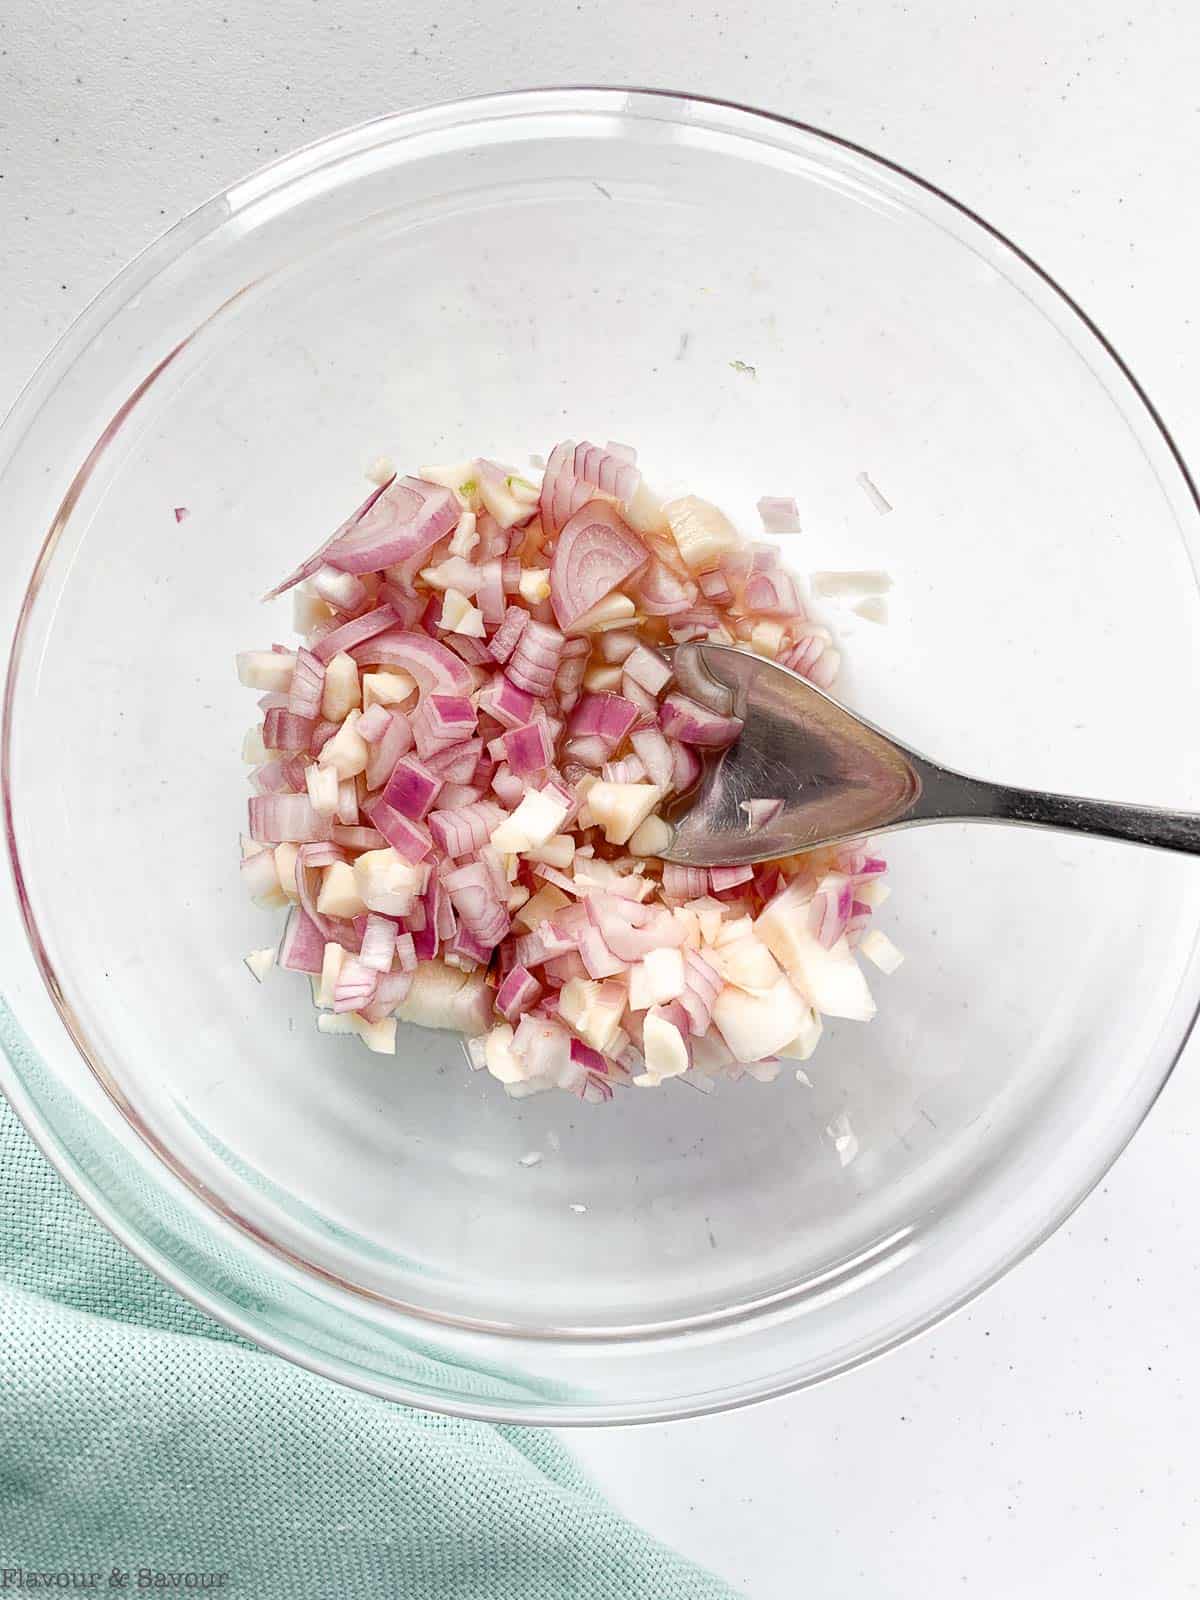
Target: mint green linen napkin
[(139, 1440)]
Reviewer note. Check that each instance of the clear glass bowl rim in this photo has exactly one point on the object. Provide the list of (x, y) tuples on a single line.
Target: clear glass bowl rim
[(183, 236)]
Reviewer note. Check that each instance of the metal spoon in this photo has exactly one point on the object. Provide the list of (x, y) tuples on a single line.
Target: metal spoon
[(839, 777)]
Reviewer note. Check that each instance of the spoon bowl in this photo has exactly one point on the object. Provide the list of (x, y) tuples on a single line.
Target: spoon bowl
[(807, 772)]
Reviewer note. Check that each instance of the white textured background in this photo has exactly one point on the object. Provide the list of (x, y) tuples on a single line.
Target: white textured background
[(1045, 1443)]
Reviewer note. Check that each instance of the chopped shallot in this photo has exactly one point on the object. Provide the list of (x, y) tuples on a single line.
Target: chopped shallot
[(459, 772)]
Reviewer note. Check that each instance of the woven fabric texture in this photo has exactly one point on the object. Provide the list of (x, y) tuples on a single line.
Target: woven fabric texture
[(140, 1441)]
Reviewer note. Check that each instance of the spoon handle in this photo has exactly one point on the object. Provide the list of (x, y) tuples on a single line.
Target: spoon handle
[(950, 796)]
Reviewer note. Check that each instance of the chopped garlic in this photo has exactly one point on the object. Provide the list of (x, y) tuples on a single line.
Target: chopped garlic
[(385, 883), (766, 637), (260, 962), (616, 644), (346, 752), (779, 924), (558, 851), (656, 979), (339, 1022), (382, 470), (521, 489), (500, 1058), (322, 785), (614, 611), (455, 476), (805, 1042), (343, 589), (583, 788), (702, 533), (534, 585), (758, 1025), (604, 1023), (873, 893), (499, 499), (831, 980), (644, 511), (309, 610), (730, 932), (452, 574), (285, 866), (602, 678), (593, 874), (665, 1050), (878, 948), (340, 693), (687, 921), (542, 906), (651, 838), (388, 688), (378, 1036), (746, 963), (444, 997), (465, 536), (536, 820), (269, 671), (710, 914), (331, 967), (621, 808), (339, 896), (574, 998), (263, 883), (460, 616), (594, 1010)]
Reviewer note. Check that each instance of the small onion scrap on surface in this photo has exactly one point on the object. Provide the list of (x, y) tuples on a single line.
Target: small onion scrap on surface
[(458, 776)]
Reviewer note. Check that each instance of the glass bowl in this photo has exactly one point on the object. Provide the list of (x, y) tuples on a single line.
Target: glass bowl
[(761, 309)]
